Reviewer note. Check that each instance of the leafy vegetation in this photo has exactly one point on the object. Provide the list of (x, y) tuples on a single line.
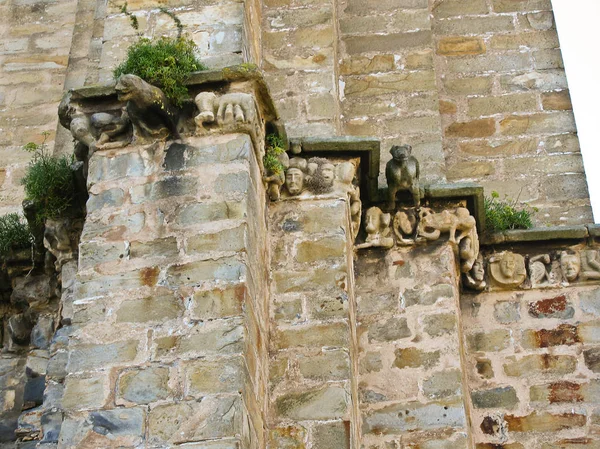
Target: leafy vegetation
[(166, 62), (14, 233), (502, 215), (48, 181), (275, 147)]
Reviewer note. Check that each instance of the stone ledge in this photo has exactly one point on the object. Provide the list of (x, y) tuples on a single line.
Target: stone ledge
[(542, 234)]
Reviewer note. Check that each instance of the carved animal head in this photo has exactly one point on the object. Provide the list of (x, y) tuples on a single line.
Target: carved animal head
[(401, 153), (128, 85)]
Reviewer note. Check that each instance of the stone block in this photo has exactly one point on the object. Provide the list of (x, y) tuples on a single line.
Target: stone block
[(107, 198), (557, 392), (564, 334), (534, 80), (489, 63), (521, 5), (214, 376), (165, 247), (499, 148), (415, 358), (440, 324), (474, 128), (370, 362), (537, 364), (320, 403), (474, 25), (312, 280), (470, 169), (325, 366), (448, 107), (324, 306), (483, 106), (108, 168), (322, 249), (143, 386), (232, 239), (194, 273), (225, 337), (159, 308), (589, 301), (501, 397), (331, 435), (85, 392), (484, 368), (452, 8), (381, 84), (557, 101), (492, 341), (288, 437), (589, 332), (443, 384), (169, 187), (91, 357), (419, 59), (548, 59), (428, 298), (391, 329), (460, 46), (312, 218), (536, 39), (479, 85), (207, 418), (544, 422), (199, 213), (400, 418), (556, 307), (361, 7), (298, 18), (403, 125), (217, 303), (317, 336), (507, 312), (357, 65), (538, 123)]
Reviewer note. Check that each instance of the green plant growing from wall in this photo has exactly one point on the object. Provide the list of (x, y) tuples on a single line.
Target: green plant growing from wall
[(271, 161), (165, 62), (48, 181), (14, 234), (503, 215)]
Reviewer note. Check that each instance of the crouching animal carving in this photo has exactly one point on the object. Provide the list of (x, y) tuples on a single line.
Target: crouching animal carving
[(148, 109), (432, 224), (377, 226), (402, 173)]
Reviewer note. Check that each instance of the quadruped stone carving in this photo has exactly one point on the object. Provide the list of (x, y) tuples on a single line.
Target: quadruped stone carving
[(402, 173), (507, 269), (590, 264), (377, 226)]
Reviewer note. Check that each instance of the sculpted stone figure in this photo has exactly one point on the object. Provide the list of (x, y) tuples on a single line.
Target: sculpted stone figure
[(321, 175), (432, 224), (377, 226), (344, 175), (590, 264), (276, 179), (405, 223), (60, 239), (402, 173), (148, 109), (227, 109), (542, 272), (294, 181), (507, 269), (468, 250), (570, 265), (475, 277)]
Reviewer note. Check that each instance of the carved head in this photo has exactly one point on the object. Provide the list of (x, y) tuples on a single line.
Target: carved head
[(376, 221), (127, 85), (570, 264), (401, 153), (508, 264), (478, 270), (322, 175), (294, 181)]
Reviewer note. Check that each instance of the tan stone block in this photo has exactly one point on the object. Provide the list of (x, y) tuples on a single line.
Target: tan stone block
[(363, 24), (193, 273), (420, 59), (362, 7), (85, 392), (538, 123), (544, 422), (538, 80), (325, 366), (474, 25), (447, 107), (222, 337), (312, 280), (143, 386), (403, 125), (387, 42), (223, 240), (165, 247), (91, 357), (356, 65), (320, 250), (415, 358), (460, 46), (361, 108), (469, 86), (557, 101), (548, 59), (292, 437), (563, 143), (521, 5), (157, 308), (483, 106), (410, 20), (298, 18), (321, 106), (499, 148), (490, 63), (214, 376), (321, 403), (218, 303), (538, 39), (540, 20), (451, 8), (540, 364), (475, 128), (470, 170), (321, 335), (491, 341)]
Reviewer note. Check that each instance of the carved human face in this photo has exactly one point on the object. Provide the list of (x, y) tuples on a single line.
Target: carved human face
[(328, 173), (570, 266), (372, 220), (478, 271), (508, 265), (294, 181)]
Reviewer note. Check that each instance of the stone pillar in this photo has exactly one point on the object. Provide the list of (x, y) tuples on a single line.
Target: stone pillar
[(312, 340), (169, 299), (410, 362)]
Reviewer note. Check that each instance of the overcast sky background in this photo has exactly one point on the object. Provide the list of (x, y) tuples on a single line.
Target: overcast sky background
[(578, 24)]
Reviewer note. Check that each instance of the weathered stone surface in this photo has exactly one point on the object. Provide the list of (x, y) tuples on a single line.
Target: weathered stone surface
[(223, 240), (144, 386), (390, 330), (521, 5), (503, 397), (161, 307), (415, 358), (443, 384), (544, 422), (288, 437), (427, 298), (322, 249), (166, 247), (217, 376), (208, 418), (373, 85), (438, 325), (87, 392), (590, 301), (90, 357), (193, 273), (329, 402), (326, 366), (564, 334), (310, 280), (540, 364), (218, 303), (394, 419), (320, 335), (198, 213), (469, 86), (492, 341), (387, 42), (592, 359), (556, 307), (330, 435), (460, 46), (107, 198), (475, 128), (507, 312), (538, 123)]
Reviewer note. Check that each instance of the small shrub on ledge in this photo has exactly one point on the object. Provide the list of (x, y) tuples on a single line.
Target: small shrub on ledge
[(14, 234), (271, 159), (166, 62), (503, 215)]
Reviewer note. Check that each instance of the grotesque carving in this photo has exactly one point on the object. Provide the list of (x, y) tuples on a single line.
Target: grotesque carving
[(475, 277), (321, 175), (507, 269), (468, 250), (295, 176), (405, 223), (570, 265), (432, 224), (275, 179), (542, 272), (60, 238), (109, 127), (148, 109), (228, 109), (402, 173), (590, 264), (377, 226)]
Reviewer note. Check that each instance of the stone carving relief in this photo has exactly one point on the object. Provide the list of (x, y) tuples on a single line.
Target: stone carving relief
[(475, 277), (402, 173), (507, 269), (590, 264), (61, 239), (570, 265), (377, 226)]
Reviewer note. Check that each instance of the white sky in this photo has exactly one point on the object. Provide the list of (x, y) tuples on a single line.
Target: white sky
[(578, 23)]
